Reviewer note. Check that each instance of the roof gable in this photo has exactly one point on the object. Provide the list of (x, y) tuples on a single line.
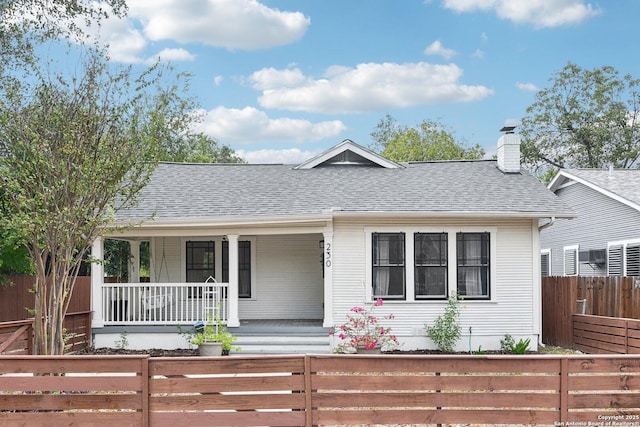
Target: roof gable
[(348, 153), (622, 185)]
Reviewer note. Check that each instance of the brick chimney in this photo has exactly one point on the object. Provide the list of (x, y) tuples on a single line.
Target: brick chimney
[(509, 151)]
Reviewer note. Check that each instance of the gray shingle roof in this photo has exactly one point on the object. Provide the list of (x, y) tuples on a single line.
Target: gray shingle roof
[(203, 191), (624, 183)]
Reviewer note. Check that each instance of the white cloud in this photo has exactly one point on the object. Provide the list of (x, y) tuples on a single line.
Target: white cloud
[(291, 156), (175, 55), (479, 53), (367, 87), (436, 48), (529, 87), (250, 125), (539, 13), (217, 80), (231, 24)]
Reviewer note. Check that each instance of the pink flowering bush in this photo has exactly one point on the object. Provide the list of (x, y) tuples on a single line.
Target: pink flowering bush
[(363, 330)]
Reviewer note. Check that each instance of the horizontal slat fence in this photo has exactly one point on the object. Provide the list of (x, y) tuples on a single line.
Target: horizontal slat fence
[(262, 391), (16, 337), (598, 334), (73, 390), (331, 390)]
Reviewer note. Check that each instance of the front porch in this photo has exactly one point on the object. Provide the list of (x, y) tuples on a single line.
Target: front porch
[(272, 290)]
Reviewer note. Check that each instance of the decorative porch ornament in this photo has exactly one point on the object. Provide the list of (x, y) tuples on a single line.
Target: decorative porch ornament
[(363, 332)]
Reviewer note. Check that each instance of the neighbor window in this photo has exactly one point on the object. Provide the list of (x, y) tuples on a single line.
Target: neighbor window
[(430, 265), (244, 267), (473, 265), (388, 266)]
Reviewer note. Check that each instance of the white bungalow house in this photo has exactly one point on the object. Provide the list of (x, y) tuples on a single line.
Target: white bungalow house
[(284, 246)]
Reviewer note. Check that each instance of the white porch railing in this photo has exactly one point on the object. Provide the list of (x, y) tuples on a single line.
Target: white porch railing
[(163, 303)]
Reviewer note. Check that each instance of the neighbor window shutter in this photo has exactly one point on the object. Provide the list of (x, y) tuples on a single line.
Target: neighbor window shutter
[(544, 264), (570, 262), (614, 261), (633, 260)]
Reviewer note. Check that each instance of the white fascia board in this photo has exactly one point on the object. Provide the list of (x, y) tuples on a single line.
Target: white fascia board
[(456, 214), (265, 221), (595, 187)]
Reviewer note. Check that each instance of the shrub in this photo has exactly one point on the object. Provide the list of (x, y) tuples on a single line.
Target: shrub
[(446, 330), (363, 330)]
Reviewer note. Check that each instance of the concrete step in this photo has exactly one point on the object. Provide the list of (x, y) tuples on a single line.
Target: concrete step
[(277, 344)]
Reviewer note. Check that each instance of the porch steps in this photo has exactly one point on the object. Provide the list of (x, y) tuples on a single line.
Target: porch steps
[(282, 337)]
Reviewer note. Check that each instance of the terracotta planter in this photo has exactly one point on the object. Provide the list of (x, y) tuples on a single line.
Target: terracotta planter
[(210, 349)]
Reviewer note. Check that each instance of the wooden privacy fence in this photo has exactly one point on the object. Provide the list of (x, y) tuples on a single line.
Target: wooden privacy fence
[(611, 296), (320, 390), (16, 300)]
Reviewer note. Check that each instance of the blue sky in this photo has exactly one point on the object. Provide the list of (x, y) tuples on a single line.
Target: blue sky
[(282, 80)]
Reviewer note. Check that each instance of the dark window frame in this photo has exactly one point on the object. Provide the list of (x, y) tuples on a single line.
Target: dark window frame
[(423, 263), (466, 263), (395, 267)]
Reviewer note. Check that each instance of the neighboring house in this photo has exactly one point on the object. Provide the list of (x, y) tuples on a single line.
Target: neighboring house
[(309, 242), (604, 239)]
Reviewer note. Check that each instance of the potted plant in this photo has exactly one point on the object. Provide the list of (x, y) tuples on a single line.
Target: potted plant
[(362, 332), (212, 338)]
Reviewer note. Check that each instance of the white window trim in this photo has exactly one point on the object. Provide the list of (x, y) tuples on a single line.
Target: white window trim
[(624, 244), (548, 253), (452, 264), (565, 249), (218, 251)]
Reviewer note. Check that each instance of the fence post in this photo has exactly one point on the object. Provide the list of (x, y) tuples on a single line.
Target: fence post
[(145, 390), (564, 391), (626, 337), (308, 403)]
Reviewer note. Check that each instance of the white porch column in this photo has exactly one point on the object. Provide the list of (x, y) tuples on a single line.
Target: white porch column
[(97, 277), (328, 279), (134, 262), (232, 295)]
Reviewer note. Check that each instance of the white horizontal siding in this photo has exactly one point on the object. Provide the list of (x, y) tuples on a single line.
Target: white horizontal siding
[(510, 310), (166, 265), (289, 283)]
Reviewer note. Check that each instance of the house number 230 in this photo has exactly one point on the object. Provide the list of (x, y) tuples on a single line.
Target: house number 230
[(327, 255)]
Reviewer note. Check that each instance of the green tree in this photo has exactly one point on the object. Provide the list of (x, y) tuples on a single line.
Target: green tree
[(429, 140), (198, 148), (586, 118), (76, 149)]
